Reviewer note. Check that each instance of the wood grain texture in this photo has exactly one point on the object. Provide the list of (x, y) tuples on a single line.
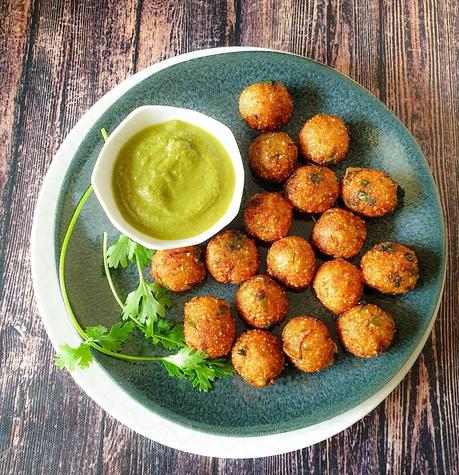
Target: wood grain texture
[(61, 56)]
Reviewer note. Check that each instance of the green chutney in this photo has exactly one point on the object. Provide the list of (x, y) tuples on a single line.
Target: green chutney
[(173, 180)]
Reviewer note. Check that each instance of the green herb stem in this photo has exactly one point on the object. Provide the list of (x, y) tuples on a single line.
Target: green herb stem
[(115, 293), (107, 272), (63, 254), (139, 269)]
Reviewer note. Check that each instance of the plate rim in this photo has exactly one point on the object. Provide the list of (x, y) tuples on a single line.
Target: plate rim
[(98, 385)]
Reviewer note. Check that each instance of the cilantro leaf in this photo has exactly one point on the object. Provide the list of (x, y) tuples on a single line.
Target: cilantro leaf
[(149, 330), (131, 306), (196, 367), (71, 358), (150, 305), (171, 337), (187, 358), (202, 377), (146, 301), (120, 331), (111, 340), (125, 251), (222, 368), (173, 370), (143, 254), (95, 332), (121, 253), (162, 294), (163, 331)]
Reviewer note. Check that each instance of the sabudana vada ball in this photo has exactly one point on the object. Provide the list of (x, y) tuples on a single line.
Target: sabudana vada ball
[(232, 257), (272, 156), (261, 302), (368, 192), (308, 344), (339, 233), (291, 261), (178, 269), (366, 330), (390, 267), (266, 105), (209, 325), (257, 356), (324, 139), (312, 189), (268, 216), (338, 285)]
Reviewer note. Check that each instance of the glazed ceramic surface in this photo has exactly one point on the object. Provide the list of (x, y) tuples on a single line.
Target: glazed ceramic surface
[(298, 404)]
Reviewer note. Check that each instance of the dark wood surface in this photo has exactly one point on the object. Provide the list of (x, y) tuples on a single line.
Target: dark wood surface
[(57, 58)]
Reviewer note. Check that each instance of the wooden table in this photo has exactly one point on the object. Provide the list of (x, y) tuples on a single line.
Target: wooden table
[(59, 57)]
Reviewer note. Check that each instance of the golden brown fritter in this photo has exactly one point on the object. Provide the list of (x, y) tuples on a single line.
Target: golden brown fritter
[(265, 106), (339, 233), (272, 156), (209, 325), (390, 268), (268, 216), (324, 139), (261, 302), (308, 344), (232, 257), (368, 192), (366, 330), (291, 261), (257, 356), (312, 189), (338, 285), (178, 269)]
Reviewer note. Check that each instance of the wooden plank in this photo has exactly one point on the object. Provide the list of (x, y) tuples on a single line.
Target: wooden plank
[(418, 83), (14, 26), (169, 28), (77, 51)]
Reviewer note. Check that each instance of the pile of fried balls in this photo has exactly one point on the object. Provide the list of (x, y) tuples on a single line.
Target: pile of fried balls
[(231, 257)]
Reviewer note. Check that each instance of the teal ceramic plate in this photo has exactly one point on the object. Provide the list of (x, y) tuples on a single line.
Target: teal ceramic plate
[(299, 409)]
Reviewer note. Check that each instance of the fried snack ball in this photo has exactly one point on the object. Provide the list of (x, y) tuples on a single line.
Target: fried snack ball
[(312, 189), (366, 330), (209, 325), (257, 356), (368, 192), (272, 156), (308, 344), (178, 269), (338, 285), (232, 257), (390, 268), (268, 216), (291, 261), (265, 106), (324, 139), (339, 233), (261, 302)]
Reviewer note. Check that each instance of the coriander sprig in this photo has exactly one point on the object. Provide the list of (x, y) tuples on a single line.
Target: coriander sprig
[(98, 337), (187, 364), (146, 306), (196, 367), (191, 365)]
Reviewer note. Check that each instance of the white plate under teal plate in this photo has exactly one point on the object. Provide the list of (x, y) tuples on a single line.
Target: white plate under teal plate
[(236, 420)]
